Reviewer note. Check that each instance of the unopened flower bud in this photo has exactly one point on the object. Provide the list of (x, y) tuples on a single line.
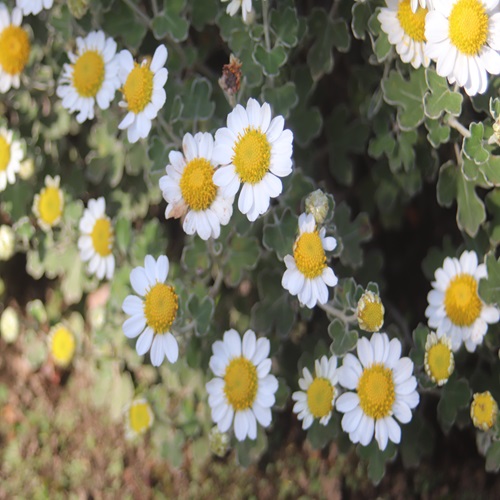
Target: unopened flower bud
[(78, 8), (317, 205), (7, 242), (218, 441), (9, 325), (27, 169)]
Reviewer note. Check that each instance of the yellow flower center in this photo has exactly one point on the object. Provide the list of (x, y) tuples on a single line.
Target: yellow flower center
[(14, 49), (62, 346), (88, 73), (252, 156), (468, 26), (376, 391), (102, 237), (413, 23), (370, 313), (320, 397), (439, 362), (138, 88), (240, 383), (484, 410), (197, 185), (461, 301), (4, 153), (160, 307), (309, 255), (139, 416), (50, 205)]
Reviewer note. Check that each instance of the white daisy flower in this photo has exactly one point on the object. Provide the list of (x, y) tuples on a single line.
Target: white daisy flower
[(96, 242), (189, 189), (405, 30), (463, 37), (425, 4), (153, 313), (254, 151), (483, 410), (92, 76), (33, 6), (384, 388), (139, 418), (317, 397), (48, 205), (246, 9), (307, 274), (62, 345), (143, 92), (370, 312), (11, 155), (439, 361), (455, 308), (243, 388), (15, 48)]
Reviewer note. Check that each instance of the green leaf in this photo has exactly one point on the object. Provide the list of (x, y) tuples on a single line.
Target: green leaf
[(195, 256), (470, 208), (417, 353), (491, 170), (306, 122), (279, 236), (361, 13), (351, 234), (243, 254), (328, 34), (273, 312), (123, 231), (377, 459), (417, 441), (123, 22), (202, 311), (493, 458), (270, 60), (455, 395), (382, 48), (407, 95), (203, 12), (197, 104), (345, 137), (473, 145), (440, 99), (168, 23), (438, 133), (282, 99), (320, 435), (343, 340), (489, 288), (447, 184), (285, 24), (158, 153)]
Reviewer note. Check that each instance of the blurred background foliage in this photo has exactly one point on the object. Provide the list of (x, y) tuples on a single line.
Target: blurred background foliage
[(412, 177)]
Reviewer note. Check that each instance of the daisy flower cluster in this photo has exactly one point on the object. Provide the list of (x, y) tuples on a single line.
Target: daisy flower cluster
[(96, 71), (461, 36)]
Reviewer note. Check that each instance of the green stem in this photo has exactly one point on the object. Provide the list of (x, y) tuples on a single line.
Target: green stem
[(144, 18), (453, 122), (347, 319)]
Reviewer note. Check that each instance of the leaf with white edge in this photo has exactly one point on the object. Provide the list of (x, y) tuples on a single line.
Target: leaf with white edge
[(270, 60), (351, 234), (491, 170), (470, 208), (282, 99), (417, 353), (279, 236), (172, 24), (407, 95), (437, 133), (343, 340), (455, 395), (440, 98), (446, 189), (361, 13), (202, 311), (493, 458), (197, 104), (473, 145), (493, 205), (243, 254), (285, 24), (489, 288), (382, 48), (124, 23)]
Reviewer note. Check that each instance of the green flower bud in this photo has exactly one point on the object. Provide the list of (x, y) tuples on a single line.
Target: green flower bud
[(219, 442), (317, 205), (78, 8)]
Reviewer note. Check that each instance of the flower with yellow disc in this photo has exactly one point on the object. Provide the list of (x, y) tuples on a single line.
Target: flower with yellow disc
[(11, 155), (48, 205), (308, 275), (62, 345), (243, 389), (381, 388), (483, 410), (153, 312), (139, 418), (455, 308)]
